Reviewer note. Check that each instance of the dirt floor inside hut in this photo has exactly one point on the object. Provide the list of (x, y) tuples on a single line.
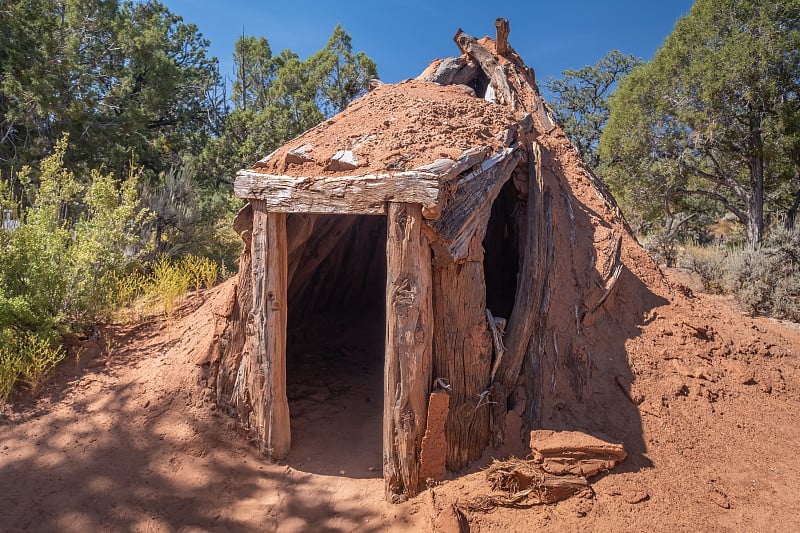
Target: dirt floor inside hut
[(129, 437)]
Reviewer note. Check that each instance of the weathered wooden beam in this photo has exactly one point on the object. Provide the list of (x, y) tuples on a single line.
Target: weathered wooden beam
[(488, 64), (409, 346), (523, 317), (463, 353), (447, 169), (470, 206), (532, 294), (358, 195), (266, 365)]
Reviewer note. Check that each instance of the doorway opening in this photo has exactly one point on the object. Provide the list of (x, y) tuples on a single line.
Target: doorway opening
[(335, 346), (501, 256)]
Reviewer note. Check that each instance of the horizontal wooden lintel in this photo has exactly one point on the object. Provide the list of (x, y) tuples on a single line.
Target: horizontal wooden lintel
[(361, 195)]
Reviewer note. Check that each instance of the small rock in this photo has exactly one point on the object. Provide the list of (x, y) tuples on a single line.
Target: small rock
[(634, 497), (572, 452), (299, 155), (467, 89), (343, 160)]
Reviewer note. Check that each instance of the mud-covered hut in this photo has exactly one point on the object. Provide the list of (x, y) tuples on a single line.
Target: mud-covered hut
[(454, 211)]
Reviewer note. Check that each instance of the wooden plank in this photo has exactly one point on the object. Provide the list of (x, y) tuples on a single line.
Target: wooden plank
[(359, 195), (520, 324), (409, 346), (266, 365)]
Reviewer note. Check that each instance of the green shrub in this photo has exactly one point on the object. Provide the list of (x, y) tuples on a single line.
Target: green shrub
[(766, 279), (710, 263), (202, 271), (59, 268), (77, 256), (661, 248), (191, 218)]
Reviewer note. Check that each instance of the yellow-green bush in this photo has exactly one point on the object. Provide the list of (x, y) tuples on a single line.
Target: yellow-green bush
[(167, 282), (28, 358)]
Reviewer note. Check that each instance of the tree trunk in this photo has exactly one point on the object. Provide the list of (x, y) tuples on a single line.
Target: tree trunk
[(536, 246), (755, 203), (792, 213), (409, 339)]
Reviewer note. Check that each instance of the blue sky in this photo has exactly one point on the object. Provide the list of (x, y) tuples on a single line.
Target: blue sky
[(404, 36)]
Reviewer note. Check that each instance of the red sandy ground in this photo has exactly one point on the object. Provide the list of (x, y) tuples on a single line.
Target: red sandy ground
[(129, 441)]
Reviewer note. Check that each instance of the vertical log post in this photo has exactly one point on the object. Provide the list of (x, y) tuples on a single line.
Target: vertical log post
[(266, 368), (501, 34), (409, 345)]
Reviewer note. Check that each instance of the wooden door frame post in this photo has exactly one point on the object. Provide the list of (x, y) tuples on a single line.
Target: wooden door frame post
[(409, 347), (266, 373)]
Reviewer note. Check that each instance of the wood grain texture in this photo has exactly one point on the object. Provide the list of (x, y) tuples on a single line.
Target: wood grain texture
[(488, 63), (359, 195), (470, 206), (266, 356), (409, 338), (462, 353)]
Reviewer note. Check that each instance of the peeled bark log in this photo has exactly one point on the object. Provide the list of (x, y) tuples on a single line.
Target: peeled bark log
[(501, 32), (478, 189), (486, 60), (407, 377), (265, 362)]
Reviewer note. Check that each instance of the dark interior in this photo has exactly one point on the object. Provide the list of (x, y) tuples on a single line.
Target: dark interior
[(480, 83), (501, 260), (335, 345)]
